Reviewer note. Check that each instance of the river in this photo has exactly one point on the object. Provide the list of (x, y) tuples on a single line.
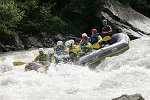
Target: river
[(127, 73)]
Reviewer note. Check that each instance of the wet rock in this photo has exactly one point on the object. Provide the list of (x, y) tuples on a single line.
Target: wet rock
[(2, 48), (130, 97), (76, 39), (47, 40), (9, 48), (58, 37), (42, 40), (44, 34), (10, 43), (31, 42), (123, 18), (34, 42), (18, 43)]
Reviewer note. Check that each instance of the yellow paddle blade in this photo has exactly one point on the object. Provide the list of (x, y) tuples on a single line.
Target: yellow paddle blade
[(106, 38), (18, 63), (89, 45), (76, 49), (96, 46)]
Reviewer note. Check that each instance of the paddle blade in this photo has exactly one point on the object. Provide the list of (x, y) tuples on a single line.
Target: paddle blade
[(96, 46), (106, 38), (18, 63)]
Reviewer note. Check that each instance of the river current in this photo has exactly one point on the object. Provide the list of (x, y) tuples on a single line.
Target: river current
[(127, 73)]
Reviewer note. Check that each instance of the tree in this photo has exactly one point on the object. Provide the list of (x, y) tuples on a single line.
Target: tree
[(10, 16)]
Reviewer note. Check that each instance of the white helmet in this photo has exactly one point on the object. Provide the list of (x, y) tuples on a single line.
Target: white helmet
[(41, 49), (51, 51), (60, 43), (71, 41), (67, 43)]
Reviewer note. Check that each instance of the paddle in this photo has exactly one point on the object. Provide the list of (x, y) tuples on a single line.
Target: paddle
[(97, 45), (106, 38), (19, 63)]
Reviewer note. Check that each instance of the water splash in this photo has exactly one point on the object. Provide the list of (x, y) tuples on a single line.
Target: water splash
[(123, 74)]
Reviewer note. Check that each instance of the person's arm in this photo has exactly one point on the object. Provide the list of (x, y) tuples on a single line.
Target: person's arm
[(89, 45), (47, 57), (107, 32), (99, 39), (110, 30), (89, 39), (80, 43), (103, 31), (36, 58), (55, 48)]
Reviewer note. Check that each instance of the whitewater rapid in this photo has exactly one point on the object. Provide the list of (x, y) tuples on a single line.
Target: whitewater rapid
[(127, 73)]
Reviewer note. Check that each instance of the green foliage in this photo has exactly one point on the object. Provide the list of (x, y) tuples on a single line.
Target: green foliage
[(35, 16), (31, 17), (39, 19), (27, 5), (81, 13), (10, 15)]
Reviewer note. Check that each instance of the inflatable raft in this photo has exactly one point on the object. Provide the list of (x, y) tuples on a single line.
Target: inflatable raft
[(36, 67), (119, 43)]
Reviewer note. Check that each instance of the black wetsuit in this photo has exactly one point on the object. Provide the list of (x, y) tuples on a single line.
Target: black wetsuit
[(106, 29)]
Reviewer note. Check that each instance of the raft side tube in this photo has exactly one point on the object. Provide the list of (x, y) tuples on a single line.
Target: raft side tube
[(120, 44)]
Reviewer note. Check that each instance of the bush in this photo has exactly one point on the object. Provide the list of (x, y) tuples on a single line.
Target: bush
[(10, 16)]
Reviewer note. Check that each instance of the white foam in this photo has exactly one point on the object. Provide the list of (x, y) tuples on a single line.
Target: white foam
[(127, 73)]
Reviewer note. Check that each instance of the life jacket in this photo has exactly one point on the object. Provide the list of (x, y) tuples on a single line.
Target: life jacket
[(71, 48), (94, 39), (66, 51), (43, 57), (52, 59), (73, 52), (84, 42), (74, 49)]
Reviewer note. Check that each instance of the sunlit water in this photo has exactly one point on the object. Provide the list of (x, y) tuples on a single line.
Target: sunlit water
[(127, 73)]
